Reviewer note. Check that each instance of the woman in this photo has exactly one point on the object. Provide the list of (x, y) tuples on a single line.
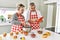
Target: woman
[(18, 20), (33, 16)]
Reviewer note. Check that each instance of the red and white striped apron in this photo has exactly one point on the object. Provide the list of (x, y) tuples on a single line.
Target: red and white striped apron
[(18, 27), (34, 25)]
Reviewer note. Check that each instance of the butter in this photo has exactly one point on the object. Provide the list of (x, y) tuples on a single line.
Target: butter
[(23, 38), (0, 38)]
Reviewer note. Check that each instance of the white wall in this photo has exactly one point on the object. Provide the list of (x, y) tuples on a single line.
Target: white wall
[(39, 4), (12, 3)]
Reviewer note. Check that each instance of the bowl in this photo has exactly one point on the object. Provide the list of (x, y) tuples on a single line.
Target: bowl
[(27, 28)]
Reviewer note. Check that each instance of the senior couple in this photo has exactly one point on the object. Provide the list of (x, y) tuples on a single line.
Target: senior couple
[(32, 16)]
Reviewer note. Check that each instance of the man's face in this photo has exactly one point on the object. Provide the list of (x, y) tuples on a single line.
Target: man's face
[(32, 8), (21, 10)]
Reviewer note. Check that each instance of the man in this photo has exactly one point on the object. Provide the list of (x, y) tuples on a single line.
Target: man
[(33, 16)]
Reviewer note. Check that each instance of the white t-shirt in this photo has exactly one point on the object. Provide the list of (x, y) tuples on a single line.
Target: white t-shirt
[(27, 14)]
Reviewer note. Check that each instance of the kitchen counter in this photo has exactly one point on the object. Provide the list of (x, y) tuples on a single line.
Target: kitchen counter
[(4, 24), (5, 27), (53, 36)]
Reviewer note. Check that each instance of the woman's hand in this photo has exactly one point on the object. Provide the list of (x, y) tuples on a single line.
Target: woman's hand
[(22, 23)]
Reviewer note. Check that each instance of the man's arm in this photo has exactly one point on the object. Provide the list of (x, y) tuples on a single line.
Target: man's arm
[(40, 17), (26, 15)]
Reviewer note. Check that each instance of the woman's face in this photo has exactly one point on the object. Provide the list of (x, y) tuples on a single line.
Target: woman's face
[(32, 8), (21, 10)]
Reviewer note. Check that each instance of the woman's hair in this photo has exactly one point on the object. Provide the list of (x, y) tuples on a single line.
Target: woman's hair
[(32, 4), (19, 6)]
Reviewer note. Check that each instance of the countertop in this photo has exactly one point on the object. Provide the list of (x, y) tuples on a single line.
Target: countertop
[(53, 36)]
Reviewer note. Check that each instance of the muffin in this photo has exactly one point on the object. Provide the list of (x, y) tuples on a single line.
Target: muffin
[(39, 32), (16, 33), (4, 34), (15, 37), (25, 33), (33, 35), (11, 33)]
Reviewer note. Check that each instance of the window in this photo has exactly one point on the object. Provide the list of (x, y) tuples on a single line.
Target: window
[(6, 14)]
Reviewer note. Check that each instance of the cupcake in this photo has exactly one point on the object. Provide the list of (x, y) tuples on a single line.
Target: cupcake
[(33, 35), (11, 33), (4, 34), (15, 37), (25, 33), (16, 33), (40, 32)]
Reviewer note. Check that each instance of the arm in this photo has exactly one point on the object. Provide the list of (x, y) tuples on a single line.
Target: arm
[(39, 14), (26, 15), (40, 17), (15, 20)]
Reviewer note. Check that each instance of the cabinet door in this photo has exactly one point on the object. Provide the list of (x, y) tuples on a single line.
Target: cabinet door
[(57, 29)]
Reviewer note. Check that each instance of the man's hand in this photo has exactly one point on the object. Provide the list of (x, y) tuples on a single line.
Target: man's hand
[(40, 20), (30, 21)]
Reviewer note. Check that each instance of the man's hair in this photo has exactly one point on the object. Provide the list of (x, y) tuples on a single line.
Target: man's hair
[(20, 5), (32, 4)]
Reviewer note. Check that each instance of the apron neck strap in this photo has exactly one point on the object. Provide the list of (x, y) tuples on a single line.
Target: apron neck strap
[(18, 15), (33, 11)]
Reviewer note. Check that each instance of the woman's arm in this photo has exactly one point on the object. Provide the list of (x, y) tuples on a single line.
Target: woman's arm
[(15, 20)]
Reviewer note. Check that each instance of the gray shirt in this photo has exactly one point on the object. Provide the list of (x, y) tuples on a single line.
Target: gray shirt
[(15, 20)]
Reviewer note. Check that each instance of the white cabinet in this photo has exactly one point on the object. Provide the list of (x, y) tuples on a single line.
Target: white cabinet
[(49, 16), (5, 27), (57, 27), (50, 12), (50, 1)]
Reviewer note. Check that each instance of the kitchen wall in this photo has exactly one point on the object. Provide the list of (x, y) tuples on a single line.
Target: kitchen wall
[(11, 4), (5, 28), (39, 5), (54, 15)]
